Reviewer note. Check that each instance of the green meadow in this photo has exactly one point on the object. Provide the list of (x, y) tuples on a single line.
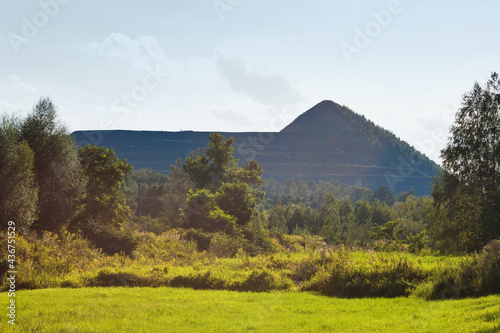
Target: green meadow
[(185, 310)]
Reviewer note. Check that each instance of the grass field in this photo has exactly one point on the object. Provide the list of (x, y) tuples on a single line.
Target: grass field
[(185, 310)]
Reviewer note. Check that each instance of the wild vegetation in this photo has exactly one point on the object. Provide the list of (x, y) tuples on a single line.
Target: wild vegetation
[(300, 263), (85, 219), (467, 193)]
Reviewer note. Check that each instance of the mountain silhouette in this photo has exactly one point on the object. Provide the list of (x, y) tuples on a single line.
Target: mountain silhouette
[(326, 142)]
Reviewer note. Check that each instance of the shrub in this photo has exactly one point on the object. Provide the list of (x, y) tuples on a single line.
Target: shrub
[(157, 225), (258, 242), (107, 277), (263, 280), (450, 282), (224, 246), (490, 262), (292, 243), (115, 241), (72, 281), (198, 281), (167, 247), (343, 277), (417, 242), (305, 269), (200, 237), (43, 261), (477, 275)]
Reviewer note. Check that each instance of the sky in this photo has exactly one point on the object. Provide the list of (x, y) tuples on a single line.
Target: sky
[(247, 65)]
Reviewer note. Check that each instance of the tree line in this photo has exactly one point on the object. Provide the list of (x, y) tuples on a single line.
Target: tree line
[(49, 184)]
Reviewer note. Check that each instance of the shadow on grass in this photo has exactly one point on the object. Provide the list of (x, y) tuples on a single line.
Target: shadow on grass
[(495, 329)]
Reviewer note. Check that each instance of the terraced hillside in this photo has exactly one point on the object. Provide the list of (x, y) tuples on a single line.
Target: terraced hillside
[(327, 142)]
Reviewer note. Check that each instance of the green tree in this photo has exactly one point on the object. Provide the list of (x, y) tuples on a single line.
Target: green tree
[(103, 207), (417, 242), (233, 190), (151, 193), (381, 212), (363, 213), (290, 188), (403, 196), (455, 221), (412, 214), (56, 166), (250, 174), (346, 213), (175, 193), (467, 192), (237, 200), (305, 189), (347, 221), (329, 215), (272, 188), (18, 194), (361, 193), (215, 165), (151, 202), (303, 220), (363, 222), (384, 194), (162, 197), (202, 212), (279, 217), (389, 231)]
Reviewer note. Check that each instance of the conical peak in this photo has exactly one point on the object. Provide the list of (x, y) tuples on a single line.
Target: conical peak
[(319, 115)]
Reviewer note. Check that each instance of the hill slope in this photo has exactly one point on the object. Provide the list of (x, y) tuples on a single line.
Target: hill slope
[(326, 142)]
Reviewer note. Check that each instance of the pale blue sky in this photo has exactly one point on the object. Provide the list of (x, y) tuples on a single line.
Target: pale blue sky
[(247, 65)]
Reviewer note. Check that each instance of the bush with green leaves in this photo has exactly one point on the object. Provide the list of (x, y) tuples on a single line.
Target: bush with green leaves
[(383, 277), (225, 246), (156, 225), (475, 275), (258, 242), (202, 212), (44, 260), (200, 280), (168, 247), (200, 237), (264, 280), (113, 241)]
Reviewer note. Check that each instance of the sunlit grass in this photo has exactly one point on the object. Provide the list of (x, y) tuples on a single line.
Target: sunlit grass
[(185, 310)]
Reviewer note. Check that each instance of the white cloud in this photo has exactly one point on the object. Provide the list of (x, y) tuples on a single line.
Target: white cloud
[(28, 87), (231, 116), (15, 83), (142, 52), (265, 88), (8, 107), (14, 77)]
